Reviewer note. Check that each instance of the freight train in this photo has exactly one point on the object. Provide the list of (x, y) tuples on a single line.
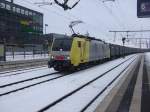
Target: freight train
[(69, 53)]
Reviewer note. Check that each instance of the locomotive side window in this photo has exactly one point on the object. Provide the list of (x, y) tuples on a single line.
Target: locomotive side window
[(63, 43), (79, 44)]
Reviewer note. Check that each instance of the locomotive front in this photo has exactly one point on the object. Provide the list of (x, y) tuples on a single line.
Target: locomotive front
[(60, 53)]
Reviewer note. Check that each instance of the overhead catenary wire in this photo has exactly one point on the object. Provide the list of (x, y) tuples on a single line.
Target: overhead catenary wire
[(71, 17), (68, 18), (121, 13), (54, 12), (121, 25), (119, 22)]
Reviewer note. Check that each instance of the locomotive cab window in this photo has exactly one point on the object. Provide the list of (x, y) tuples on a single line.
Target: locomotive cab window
[(63, 44)]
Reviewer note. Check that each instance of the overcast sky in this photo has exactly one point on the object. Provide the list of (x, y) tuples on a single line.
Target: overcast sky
[(98, 17)]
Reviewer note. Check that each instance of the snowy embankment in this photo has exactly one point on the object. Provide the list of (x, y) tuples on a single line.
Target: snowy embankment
[(37, 97), (23, 75)]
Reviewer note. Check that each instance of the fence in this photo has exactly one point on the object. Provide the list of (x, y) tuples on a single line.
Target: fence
[(26, 52), (2, 52)]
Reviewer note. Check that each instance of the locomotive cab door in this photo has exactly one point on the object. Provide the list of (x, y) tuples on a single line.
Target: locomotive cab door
[(80, 51), (82, 47)]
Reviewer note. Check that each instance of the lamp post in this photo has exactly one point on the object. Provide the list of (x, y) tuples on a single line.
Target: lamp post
[(46, 25)]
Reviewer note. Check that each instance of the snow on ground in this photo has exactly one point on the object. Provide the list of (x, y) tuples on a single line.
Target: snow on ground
[(37, 97), (24, 76), (77, 101), (27, 83)]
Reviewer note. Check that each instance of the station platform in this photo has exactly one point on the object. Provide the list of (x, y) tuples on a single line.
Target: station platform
[(132, 93)]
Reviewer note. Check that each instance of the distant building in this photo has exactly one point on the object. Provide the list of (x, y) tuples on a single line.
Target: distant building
[(19, 25), (49, 37)]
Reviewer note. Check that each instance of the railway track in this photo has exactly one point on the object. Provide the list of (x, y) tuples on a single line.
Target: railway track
[(11, 85), (20, 71), (5, 66), (30, 68), (30, 79), (87, 84)]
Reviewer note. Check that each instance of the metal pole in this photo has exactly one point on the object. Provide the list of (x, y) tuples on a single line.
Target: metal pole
[(33, 52), (13, 53), (46, 25), (24, 53), (127, 34), (114, 36), (4, 52), (45, 29), (149, 44), (140, 43), (4, 42)]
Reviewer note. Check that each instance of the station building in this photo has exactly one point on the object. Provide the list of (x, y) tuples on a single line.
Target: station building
[(20, 25)]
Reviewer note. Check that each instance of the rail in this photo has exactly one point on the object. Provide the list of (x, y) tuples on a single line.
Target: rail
[(22, 64)]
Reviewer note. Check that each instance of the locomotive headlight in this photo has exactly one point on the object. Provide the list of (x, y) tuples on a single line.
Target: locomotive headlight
[(52, 57), (68, 58)]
